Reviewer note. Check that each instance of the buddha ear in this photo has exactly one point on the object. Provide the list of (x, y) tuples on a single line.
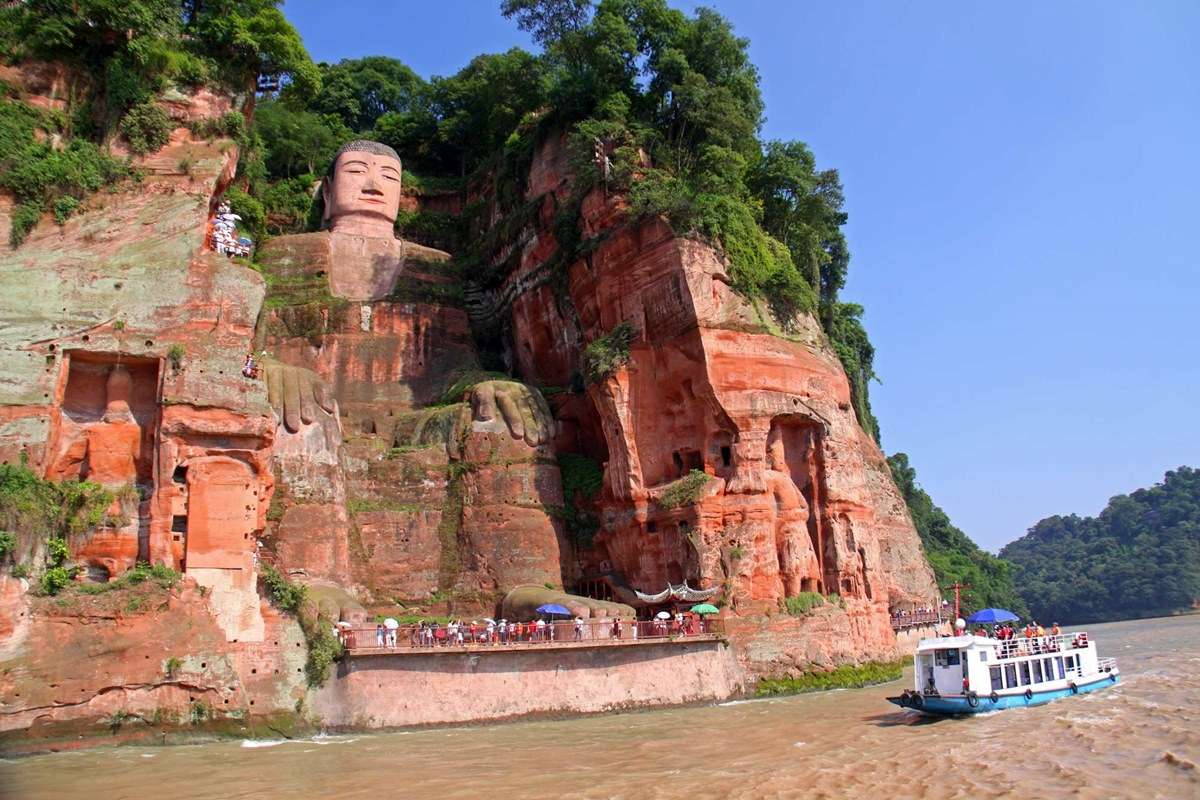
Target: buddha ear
[(326, 193)]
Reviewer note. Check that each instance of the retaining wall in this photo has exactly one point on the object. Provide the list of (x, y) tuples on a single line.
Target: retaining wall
[(422, 688)]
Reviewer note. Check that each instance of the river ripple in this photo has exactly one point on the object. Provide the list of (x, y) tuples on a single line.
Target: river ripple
[(1139, 739)]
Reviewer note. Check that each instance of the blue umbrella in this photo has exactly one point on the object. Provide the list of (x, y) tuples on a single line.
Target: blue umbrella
[(553, 608), (993, 615)]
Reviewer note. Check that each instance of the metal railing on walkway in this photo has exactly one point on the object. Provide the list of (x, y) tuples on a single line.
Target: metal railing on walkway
[(481, 635), (911, 619)]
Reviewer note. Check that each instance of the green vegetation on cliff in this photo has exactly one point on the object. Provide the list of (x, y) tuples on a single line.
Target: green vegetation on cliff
[(1139, 557), (323, 646), (37, 513), (120, 58), (953, 556), (672, 100), (846, 676)]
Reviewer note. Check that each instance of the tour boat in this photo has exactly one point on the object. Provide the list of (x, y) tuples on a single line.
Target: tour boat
[(969, 674)]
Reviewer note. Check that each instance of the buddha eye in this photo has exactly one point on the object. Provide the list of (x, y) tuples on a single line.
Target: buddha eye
[(389, 176)]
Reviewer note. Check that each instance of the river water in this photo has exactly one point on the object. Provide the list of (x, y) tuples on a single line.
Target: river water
[(1139, 739)]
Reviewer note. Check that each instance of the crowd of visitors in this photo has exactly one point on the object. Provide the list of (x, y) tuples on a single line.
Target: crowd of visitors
[(223, 235), (458, 633)]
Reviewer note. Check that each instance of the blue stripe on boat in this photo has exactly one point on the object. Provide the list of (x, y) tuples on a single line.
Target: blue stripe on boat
[(959, 705)]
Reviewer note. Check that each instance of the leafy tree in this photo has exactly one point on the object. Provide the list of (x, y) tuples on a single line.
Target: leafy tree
[(360, 91), (296, 141), (857, 355), (1140, 557), (548, 21), (953, 556), (250, 38)]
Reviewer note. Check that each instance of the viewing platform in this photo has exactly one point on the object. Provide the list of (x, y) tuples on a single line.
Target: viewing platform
[(478, 638), (914, 619)]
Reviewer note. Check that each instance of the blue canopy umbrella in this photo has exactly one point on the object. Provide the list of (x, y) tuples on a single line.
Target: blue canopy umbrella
[(992, 615), (554, 608)]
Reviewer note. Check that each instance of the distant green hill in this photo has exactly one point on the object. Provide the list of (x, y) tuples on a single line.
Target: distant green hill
[(951, 553), (1139, 558)]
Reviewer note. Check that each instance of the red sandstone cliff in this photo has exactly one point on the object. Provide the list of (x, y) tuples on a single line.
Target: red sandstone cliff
[(799, 498), (359, 476)]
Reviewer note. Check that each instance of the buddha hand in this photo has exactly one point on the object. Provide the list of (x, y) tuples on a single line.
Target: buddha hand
[(522, 408), (297, 395)]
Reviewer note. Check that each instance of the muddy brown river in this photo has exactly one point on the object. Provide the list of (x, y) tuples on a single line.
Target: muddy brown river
[(1139, 739)]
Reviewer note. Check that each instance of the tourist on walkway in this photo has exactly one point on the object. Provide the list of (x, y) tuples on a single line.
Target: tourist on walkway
[(503, 631), (541, 630), (616, 629), (578, 628), (379, 635)]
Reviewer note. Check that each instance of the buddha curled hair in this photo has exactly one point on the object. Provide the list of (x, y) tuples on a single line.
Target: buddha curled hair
[(362, 146)]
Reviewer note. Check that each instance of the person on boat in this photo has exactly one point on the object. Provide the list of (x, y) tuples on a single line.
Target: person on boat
[(1055, 630), (1040, 630)]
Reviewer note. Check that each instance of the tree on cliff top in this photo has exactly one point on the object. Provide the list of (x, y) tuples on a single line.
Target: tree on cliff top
[(125, 53), (1139, 557), (685, 91), (135, 47), (953, 556)]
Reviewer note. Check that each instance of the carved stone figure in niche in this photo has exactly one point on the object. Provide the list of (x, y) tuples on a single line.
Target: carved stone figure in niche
[(109, 450), (799, 569)]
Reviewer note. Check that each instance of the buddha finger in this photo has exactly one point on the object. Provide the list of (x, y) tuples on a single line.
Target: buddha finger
[(512, 414), (291, 400)]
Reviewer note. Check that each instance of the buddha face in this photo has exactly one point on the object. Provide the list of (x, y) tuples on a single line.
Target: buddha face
[(363, 196)]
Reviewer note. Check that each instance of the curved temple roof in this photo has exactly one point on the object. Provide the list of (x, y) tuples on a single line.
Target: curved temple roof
[(681, 592)]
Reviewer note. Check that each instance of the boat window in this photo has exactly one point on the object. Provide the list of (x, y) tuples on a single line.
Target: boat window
[(1070, 663), (946, 658), (1061, 673), (1024, 673), (1049, 669), (1037, 670), (983, 655), (997, 679), (1010, 675)]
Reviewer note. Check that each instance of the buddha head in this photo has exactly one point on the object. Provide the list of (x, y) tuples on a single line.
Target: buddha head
[(118, 389), (362, 190)]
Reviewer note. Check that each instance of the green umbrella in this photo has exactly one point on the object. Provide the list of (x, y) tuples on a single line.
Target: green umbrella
[(706, 608)]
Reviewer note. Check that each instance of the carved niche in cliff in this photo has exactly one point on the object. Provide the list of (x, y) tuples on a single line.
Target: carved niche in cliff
[(105, 433)]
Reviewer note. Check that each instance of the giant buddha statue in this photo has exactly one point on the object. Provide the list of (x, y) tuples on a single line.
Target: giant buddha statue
[(351, 367)]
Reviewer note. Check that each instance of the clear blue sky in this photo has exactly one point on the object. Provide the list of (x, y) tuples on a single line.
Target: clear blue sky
[(1023, 184)]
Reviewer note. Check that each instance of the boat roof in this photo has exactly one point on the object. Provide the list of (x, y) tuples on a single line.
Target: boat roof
[(945, 642)]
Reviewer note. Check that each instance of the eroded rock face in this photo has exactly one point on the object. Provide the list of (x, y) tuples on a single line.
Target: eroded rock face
[(798, 497), (117, 362), (132, 662)]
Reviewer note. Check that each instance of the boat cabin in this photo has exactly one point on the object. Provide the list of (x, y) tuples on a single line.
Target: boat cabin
[(956, 665)]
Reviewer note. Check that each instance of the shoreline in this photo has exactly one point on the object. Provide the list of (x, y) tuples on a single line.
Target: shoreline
[(287, 727)]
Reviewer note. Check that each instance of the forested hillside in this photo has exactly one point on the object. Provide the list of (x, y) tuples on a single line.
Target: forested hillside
[(1140, 557), (952, 554)]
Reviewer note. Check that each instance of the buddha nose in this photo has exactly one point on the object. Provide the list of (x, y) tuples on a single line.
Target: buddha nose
[(371, 187)]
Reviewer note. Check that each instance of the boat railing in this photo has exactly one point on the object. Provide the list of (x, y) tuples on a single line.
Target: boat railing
[(1039, 645), (1107, 664)]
